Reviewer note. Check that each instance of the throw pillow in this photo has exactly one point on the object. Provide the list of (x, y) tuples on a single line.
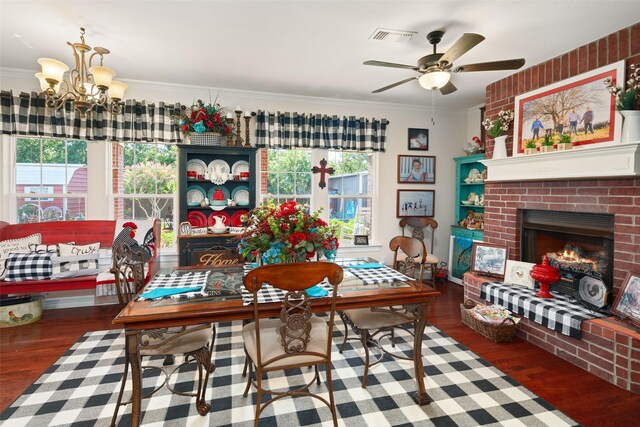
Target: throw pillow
[(28, 267), (75, 250), (15, 246), (43, 249), (74, 266)]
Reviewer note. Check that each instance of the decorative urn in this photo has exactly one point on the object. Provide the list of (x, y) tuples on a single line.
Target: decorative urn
[(545, 274)]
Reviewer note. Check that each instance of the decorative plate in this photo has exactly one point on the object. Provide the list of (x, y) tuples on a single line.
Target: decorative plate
[(472, 197), (219, 171), (195, 194), (218, 208), (198, 166), (197, 219), (241, 195), (239, 166), (593, 291), (235, 218), (225, 218), (224, 189), (473, 174)]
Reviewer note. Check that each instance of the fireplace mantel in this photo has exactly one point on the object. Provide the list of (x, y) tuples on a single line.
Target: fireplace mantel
[(607, 161)]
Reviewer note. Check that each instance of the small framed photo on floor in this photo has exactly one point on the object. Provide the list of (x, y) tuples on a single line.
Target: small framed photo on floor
[(489, 259), (418, 139), (417, 169), (627, 303)]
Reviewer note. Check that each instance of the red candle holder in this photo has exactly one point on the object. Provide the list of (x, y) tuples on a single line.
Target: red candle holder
[(546, 275)]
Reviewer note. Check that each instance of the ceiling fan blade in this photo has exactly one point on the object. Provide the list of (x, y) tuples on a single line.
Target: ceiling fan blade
[(390, 64), (508, 64), (448, 88), (401, 82), (461, 46)]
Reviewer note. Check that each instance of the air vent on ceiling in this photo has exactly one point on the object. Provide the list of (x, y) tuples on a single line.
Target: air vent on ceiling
[(395, 36)]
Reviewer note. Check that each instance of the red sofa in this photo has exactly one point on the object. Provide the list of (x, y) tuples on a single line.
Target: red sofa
[(80, 232)]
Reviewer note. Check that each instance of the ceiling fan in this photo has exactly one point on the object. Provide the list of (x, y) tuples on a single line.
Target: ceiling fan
[(436, 69)]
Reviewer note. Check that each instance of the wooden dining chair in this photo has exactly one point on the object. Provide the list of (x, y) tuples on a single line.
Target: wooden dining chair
[(296, 339), (192, 342), (423, 229), (374, 324)]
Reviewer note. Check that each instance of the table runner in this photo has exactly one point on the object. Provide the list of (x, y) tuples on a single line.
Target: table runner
[(378, 275), (270, 294), (186, 280), (557, 313)]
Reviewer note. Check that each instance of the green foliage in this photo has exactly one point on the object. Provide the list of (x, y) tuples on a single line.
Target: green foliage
[(50, 151), (166, 238), (150, 178), (530, 144), (565, 139), (350, 163), (626, 100), (548, 141), (160, 153)]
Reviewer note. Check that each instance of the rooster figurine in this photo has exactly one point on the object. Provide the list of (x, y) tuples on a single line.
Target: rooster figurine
[(18, 319)]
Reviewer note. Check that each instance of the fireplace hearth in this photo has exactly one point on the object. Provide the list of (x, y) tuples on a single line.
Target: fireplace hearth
[(578, 244)]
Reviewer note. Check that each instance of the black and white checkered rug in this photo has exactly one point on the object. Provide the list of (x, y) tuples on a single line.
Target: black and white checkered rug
[(81, 388)]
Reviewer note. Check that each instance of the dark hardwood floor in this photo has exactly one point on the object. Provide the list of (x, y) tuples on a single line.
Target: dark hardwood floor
[(27, 351)]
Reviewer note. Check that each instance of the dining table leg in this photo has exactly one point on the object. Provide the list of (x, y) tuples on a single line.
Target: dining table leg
[(420, 312), (136, 377)]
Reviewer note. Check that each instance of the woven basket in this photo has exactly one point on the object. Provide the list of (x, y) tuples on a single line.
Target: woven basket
[(206, 138), (496, 333)]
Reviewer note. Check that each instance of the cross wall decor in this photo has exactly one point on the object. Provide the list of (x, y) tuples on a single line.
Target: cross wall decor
[(322, 170)]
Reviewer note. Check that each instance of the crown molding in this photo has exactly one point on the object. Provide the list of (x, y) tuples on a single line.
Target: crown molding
[(191, 91)]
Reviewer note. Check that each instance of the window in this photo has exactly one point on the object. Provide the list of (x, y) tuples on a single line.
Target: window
[(347, 197), (51, 180), (144, 184)]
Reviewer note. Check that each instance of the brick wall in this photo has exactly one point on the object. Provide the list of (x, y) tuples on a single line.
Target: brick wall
[(608, 349)]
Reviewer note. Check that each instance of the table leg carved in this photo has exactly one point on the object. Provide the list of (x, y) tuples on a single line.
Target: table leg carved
[(420, 312), (136, 377)]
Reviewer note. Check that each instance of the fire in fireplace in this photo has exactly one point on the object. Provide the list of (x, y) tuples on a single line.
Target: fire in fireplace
[(576, 243)]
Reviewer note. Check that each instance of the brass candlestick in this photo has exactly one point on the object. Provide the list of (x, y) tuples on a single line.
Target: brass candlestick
[(247, 119), (238, 129), (230, 123)]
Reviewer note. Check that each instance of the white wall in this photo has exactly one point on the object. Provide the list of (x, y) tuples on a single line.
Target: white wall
[(446, 138), (473, 122)]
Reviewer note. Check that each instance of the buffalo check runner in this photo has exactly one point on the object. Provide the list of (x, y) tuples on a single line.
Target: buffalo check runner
[(268, 293), (557, 313), (378, 275), (181, 280)]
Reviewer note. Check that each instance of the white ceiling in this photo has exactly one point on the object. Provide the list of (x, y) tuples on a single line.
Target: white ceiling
[(309, 48)]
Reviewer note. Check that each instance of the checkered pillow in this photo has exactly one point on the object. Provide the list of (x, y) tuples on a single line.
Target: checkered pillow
[(28, 267), (15, 246), (74, 266)]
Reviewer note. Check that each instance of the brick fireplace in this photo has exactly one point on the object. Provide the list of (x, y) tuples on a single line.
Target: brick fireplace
[(609, 348)]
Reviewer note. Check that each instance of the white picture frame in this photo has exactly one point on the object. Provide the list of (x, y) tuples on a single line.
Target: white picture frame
[(517, 273)]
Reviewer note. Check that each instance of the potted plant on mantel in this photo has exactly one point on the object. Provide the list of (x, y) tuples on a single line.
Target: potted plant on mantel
[(547, 144), (565, 142), (496, 129), (530, 147), (628, 104)]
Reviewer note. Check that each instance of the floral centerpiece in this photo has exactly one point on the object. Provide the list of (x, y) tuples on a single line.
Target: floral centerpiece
[(286, 233), (627, 99), (203, 118), (499, 126)]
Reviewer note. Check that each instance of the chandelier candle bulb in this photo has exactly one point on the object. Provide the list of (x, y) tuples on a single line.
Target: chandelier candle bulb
[(102, 76), (116, 90)]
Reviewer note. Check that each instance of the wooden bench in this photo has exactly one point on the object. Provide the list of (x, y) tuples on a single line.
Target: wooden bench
[(80, 232)]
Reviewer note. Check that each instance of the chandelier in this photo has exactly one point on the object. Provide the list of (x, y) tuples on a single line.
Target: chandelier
[(88, 85)]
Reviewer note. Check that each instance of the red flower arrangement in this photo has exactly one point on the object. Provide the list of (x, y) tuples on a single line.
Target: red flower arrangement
[(286, 233), (203, 118)]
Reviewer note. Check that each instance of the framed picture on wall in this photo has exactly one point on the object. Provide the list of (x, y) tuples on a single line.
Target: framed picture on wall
[(415, 203), (489, 259), (418, 139), (580, 107), (417, 169)]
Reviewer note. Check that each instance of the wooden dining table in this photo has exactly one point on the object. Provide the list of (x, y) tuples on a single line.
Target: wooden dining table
[(225, 304)]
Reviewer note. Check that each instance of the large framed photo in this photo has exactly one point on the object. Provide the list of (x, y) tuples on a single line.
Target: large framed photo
[(581, 107), (627, 302), (415, 203), (418, 139), (489, 259), (417, 169)]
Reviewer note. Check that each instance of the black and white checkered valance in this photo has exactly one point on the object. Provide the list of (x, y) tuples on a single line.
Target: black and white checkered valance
[(27, 114), (299, 130)]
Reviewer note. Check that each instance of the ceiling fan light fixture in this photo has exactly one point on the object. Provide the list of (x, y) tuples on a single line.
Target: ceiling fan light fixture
[(434, 79)]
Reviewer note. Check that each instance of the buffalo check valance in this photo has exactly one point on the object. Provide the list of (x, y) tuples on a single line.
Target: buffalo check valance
[(299, 130)]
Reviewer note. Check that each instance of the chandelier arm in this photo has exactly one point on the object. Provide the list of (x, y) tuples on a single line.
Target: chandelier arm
[(94, 54)]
